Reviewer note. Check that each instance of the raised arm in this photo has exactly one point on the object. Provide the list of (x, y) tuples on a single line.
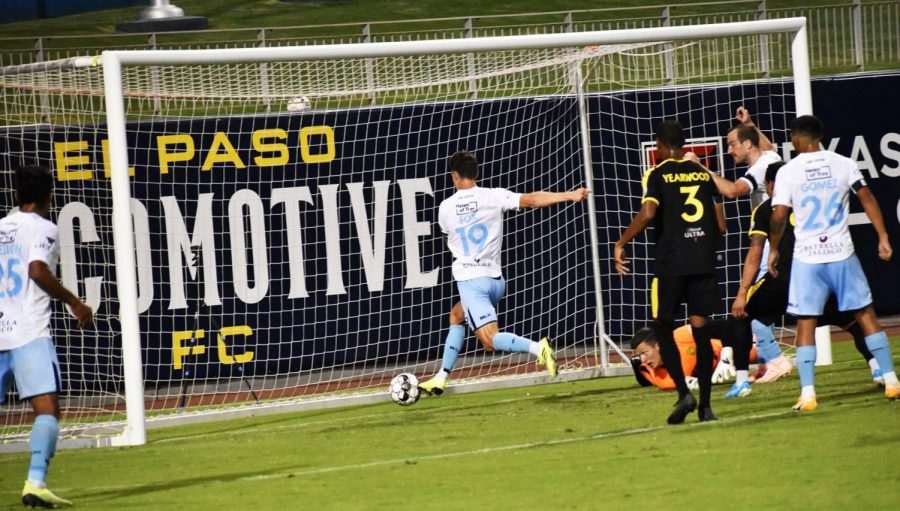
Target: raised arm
[(873, 211), (743, 115), (544, 199)]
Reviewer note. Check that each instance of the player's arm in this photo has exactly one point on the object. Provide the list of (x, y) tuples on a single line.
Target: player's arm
[(873, 211), (544, 199), (640, 222), (743, 115), (751, 268), (776, 231), (728, 188), (40, 273), (639, 374), (721, 224)]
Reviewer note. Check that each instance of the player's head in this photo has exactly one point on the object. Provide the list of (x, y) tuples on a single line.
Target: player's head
[(806, 130), (771, 173), (34, 185), (464, 164), (742, 139), (669, 138), (646, 347)]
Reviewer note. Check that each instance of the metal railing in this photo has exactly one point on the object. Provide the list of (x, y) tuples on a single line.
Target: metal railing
[(848, 36)]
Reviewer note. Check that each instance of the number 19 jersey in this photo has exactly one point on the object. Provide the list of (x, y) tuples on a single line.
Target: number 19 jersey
[(817, 185), (472, 220), (24, 307)]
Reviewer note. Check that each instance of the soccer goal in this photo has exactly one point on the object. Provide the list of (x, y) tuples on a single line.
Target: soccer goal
[(256, 228)]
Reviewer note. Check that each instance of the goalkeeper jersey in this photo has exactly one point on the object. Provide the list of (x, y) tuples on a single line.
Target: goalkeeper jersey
[(687, 348)]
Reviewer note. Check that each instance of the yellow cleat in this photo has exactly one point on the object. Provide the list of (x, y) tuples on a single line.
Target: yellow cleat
[(42, 497), (892, 391), (547, 357), (434, 386), (805, 404)]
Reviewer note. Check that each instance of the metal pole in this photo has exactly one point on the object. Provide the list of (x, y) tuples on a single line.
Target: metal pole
[(858, 36), (161, 9)]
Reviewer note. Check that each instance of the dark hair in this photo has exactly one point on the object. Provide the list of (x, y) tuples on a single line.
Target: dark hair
[(808, 126), (746, 132), (671, 134), (33, 185), (772, 170), (465, 164), (646, 334)]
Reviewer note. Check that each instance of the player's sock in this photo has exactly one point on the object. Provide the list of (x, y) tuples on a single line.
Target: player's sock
[(43, 446), (704, 368), (859, 340), (456, 335), (873, 365), (806, 365), (881, 350), (668, 351), (741, 376), (807, 391), (505, 341), (766, 346)]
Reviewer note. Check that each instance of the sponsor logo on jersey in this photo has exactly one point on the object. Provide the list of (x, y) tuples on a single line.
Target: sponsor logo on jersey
[(8, 236), (823, 172), (466, 208)]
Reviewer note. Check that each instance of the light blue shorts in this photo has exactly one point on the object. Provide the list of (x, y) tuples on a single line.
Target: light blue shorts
[(35, 367), (479, 299), (812, 283)]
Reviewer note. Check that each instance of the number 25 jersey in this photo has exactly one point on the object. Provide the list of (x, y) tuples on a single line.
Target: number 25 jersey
[(472, 219), (25, 307)]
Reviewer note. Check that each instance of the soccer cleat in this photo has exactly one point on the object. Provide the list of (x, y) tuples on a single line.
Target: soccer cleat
[(742, 390), (776, 369), (805, 404), (892, 391), (706, 414), (41, 497), (685, 405), (878, 377), (760, 371), (434, 386), (725, 370), (547, 357)]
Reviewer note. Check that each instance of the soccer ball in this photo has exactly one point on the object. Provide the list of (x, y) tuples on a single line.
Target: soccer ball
[(404, 389), (299, 104)]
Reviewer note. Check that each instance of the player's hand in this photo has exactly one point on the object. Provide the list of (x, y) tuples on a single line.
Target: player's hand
[(691, 155), (620, 260), (884, 249), (84, 314), (580, 194), (692, 382), (737, 308), (743, 115), (773, 262)]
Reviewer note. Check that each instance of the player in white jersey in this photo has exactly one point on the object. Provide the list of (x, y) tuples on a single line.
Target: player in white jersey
[(29, 253), (472, 220), (817, 184)]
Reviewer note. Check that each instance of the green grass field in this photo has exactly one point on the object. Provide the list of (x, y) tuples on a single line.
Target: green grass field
[(597, 444)]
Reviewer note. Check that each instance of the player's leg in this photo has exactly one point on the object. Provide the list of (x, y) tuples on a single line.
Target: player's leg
[(453, 343), (847, 321), (702, 295), (766, 302), (807, 295), (36, 371), (740, 338), (665, 301), (853, 294)]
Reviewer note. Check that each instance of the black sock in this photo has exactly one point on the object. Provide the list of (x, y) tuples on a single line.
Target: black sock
[(704, 368), (671, 357)]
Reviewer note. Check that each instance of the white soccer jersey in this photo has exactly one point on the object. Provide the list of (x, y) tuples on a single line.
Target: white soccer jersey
[(472, 219), (817, 185), (24, 307), (756, 173)]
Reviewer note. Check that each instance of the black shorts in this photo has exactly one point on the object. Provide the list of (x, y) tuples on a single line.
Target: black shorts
[(700, 292), (767, 299)]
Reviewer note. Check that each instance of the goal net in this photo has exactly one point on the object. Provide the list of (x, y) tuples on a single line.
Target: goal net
[(278, 207)]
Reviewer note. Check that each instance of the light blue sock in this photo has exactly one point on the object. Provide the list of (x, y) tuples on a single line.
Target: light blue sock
[(766, 346), (43, 446), (452, 346), (881, 350), (806, 365), (504, 341)]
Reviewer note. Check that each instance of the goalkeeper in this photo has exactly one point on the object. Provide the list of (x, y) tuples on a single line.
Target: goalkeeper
[(731, 350)]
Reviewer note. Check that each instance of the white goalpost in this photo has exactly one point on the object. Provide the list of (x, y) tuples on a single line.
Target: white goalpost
[(255, 228)]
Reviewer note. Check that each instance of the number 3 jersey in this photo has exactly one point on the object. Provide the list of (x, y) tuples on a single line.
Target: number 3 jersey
[(472, 219), (685, 224), (817, 185), (24, 307)]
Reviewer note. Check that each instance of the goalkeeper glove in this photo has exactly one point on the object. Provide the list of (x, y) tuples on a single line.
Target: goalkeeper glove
[(725, 370), (692, 382)]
